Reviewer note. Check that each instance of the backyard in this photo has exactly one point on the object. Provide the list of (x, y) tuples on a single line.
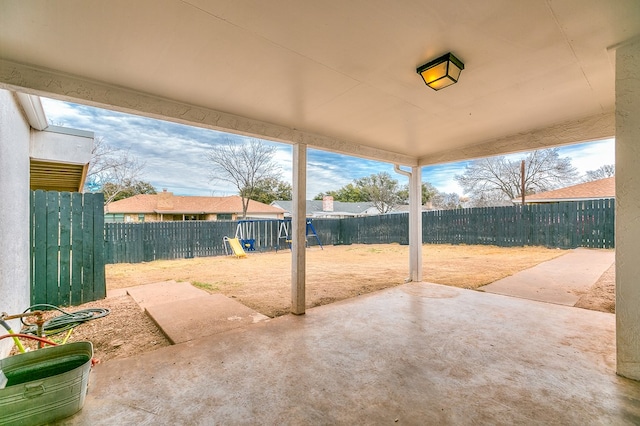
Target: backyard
[(261, 281)]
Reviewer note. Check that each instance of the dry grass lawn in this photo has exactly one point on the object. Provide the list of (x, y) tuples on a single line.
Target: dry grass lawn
[(262, 280)]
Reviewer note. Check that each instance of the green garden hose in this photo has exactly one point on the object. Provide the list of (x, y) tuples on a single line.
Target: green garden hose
[(65, 321), (10, 331)]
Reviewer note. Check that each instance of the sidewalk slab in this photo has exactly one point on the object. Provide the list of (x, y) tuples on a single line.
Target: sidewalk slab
[(184, 312), (561, 280), (192, 319), (163, 292)]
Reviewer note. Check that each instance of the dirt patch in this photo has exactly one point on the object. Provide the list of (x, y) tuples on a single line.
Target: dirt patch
[(262, 282), (125, 332), (602, 295)]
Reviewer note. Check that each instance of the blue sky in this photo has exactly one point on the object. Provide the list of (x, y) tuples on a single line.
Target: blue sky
[(174, 155)]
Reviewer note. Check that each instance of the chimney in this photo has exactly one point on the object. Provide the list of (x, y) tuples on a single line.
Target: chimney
[(165, 200), (327, 203)]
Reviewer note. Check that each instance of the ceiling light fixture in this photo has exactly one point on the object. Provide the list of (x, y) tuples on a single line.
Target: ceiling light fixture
[(441, 72)]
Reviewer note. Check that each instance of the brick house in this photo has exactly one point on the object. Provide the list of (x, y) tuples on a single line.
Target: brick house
[(166, 207)]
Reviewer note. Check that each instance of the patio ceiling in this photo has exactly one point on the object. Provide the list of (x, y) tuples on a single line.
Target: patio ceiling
[(338, 75)]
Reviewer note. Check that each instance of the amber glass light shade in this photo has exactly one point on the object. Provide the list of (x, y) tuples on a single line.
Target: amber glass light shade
[(441, 72)]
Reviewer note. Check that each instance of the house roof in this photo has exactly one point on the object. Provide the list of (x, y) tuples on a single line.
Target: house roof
[(342, 78), (315, 206), (151, 203), (597, 189)]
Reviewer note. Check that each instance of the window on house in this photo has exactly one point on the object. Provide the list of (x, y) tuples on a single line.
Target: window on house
[(224, 216), (114, 218)]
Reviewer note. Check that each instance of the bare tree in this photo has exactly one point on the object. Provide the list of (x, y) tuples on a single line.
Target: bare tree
[(497, 178), (112, 166), (244, 165), (602, 172), (126, 189), (446, 201), (488, 199)]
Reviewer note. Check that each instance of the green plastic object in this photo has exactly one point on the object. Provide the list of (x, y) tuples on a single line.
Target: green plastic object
[(45, 385)]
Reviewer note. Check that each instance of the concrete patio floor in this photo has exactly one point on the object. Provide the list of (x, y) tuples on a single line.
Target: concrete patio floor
[(414, 354)]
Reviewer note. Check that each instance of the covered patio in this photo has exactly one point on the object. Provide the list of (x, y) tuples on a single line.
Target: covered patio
[(342, 77), (415, 354)]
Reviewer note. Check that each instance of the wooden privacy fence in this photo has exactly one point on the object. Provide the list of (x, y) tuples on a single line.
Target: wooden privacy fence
[(67, 248), (562, 225), (379, 229), (144, 242)]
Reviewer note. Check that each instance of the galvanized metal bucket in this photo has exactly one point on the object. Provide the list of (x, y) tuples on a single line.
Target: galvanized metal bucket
[(45, 385)]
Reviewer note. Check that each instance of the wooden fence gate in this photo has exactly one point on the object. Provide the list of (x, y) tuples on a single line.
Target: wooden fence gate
[(67, 248)]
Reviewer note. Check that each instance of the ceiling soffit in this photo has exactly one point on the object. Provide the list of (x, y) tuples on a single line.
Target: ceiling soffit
[(341, 75)]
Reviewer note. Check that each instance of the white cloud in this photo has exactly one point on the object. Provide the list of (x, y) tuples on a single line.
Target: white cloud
[(442, 176), (590, 156), (175, 154)]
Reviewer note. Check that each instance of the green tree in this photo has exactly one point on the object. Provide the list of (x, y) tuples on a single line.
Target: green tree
[(381, 190), (127, 188), (270, 189), (349, 193), (428, 192)]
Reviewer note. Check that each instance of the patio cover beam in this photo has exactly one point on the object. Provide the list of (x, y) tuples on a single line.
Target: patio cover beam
[(586, 129), (64, 87)]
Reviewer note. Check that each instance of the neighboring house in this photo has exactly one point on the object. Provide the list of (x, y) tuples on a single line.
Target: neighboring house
[(327, 208), (166, 207), (594, 190)]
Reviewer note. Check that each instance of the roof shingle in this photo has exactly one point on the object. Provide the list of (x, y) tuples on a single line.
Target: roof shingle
[(148, 203), (597, 189)]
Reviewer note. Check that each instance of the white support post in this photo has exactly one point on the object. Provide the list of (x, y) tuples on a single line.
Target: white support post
[(628, 209), (415, 221), (415, 225), (298, 230)]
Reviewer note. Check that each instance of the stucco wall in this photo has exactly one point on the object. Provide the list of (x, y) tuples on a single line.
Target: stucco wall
[(627, 210), (14, 211)]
